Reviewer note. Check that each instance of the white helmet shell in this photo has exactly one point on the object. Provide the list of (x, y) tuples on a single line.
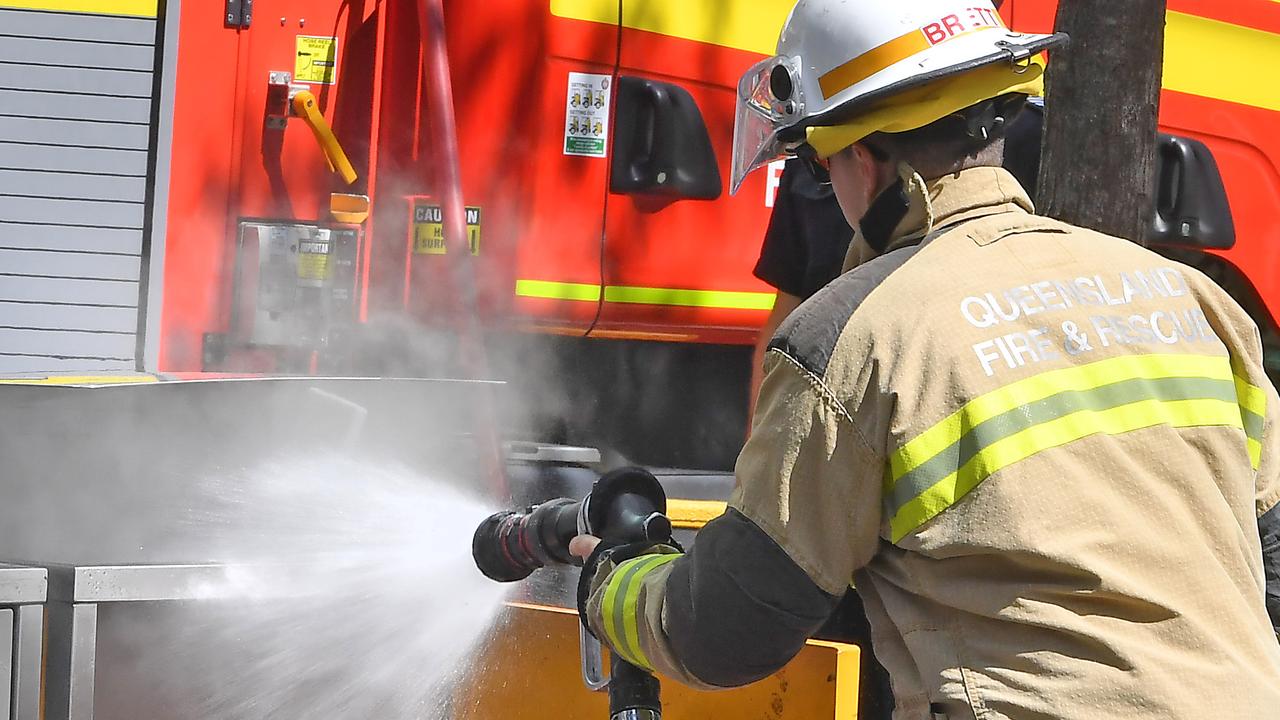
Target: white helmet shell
[(835, 57)]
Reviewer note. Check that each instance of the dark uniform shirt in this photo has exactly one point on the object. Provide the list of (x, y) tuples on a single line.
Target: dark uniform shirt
[(807, 238)]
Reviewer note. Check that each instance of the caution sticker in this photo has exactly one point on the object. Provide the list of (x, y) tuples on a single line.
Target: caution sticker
[(316, 60), (428, 229), (586, 112)]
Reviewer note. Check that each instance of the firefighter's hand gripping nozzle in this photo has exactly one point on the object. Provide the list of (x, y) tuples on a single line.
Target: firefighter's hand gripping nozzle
[(624, 506)]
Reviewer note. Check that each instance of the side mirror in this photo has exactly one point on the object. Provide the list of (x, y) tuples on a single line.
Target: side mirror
[(660, 143), (1191, 208)]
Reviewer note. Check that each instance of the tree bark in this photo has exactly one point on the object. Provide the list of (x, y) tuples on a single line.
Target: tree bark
[(1102, 101)]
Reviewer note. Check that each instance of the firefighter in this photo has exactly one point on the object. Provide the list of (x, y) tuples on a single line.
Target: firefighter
[(1042, 455)]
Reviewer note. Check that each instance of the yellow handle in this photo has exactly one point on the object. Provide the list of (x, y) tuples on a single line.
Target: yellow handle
[(304, 106)]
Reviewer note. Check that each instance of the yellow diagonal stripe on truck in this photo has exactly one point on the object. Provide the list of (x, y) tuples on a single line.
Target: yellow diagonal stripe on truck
[(1220, 60), (1204, 57), (137, 8), (751, 25), (557, 290), (634, 295), (690, 298)]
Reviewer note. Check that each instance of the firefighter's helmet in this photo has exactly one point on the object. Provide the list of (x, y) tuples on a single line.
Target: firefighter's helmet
[(845, 69)]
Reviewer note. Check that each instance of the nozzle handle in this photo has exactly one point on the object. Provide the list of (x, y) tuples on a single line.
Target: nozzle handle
[(592, 654)]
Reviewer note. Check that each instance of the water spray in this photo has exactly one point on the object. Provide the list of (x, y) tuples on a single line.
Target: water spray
[(624, 506)]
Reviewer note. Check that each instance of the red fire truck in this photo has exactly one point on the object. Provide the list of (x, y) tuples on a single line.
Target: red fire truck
[(257, 187)]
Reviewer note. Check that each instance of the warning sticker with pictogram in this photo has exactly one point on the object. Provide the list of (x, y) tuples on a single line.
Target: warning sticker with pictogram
[(316, 60), (428, 229), (586, 112)]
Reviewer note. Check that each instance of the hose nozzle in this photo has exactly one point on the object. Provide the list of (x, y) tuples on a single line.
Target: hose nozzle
[(625, 505)]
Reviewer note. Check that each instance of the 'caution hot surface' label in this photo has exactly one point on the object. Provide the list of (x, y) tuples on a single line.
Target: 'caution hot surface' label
[(428, 229)]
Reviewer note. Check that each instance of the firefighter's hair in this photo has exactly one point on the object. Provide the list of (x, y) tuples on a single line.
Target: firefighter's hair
[(972, 137)]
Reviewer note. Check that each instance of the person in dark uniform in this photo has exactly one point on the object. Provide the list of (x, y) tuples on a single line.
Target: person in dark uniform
[(803, 249)]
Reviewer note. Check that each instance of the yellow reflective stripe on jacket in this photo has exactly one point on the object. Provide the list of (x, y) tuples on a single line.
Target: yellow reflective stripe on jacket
[(1253, 412), (619, 607), (1085, 377), (937, 468)]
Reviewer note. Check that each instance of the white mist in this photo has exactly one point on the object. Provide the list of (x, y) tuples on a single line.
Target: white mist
[(354, 595)]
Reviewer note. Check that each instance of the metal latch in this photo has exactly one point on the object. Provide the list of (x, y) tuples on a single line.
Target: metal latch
[(239, 13), (1018, 54), (286, 99), (280, 93)]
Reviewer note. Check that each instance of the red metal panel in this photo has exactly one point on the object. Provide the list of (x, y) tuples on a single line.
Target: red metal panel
[(1247, 148), (1242, 138), (227, 165), (1037, 16), (689, 244), (197, 251), (283, 173), (542, 211)]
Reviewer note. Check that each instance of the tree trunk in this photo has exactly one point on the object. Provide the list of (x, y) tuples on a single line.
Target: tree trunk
[(1102, 100)]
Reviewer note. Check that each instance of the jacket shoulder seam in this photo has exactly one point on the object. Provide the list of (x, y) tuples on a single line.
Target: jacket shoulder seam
[(827, 395)]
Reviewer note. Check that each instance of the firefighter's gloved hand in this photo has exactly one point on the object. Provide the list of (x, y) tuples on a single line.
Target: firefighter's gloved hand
[(600, 557)]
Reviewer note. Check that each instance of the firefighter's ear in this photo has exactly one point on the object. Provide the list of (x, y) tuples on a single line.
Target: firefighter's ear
[(858, 176)]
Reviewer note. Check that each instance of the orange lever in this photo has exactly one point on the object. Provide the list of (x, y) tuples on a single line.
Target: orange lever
[(304, 106)]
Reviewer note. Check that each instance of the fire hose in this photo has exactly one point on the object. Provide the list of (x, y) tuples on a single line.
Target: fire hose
[(624, 506)]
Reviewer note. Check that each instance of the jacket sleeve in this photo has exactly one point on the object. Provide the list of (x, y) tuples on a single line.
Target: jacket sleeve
[(1260, 392), (763, 577), (1260, 411), (1269, 529)]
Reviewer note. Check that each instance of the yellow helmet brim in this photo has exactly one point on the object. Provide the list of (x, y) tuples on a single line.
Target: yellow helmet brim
[(918, 107)]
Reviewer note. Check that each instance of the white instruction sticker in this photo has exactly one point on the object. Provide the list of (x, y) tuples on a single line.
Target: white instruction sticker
[(586, 121)]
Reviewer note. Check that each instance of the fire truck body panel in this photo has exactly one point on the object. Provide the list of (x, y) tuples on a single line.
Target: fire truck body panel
[(1215, 91), (560, 251)]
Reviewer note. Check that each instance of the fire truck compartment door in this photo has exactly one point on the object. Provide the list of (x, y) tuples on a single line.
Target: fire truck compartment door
[(75, 142)]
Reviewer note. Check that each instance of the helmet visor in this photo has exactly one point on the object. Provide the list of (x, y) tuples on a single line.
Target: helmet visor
[(768, 103)]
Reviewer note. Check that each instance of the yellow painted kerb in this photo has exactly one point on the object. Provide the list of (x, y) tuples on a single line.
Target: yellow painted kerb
[(751, 25), (135, 8)]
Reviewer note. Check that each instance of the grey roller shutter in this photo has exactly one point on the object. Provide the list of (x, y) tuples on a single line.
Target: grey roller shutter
[(75, 137)]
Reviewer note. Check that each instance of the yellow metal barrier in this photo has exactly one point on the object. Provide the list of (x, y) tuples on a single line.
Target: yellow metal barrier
[(693, 514), (529, 669)]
